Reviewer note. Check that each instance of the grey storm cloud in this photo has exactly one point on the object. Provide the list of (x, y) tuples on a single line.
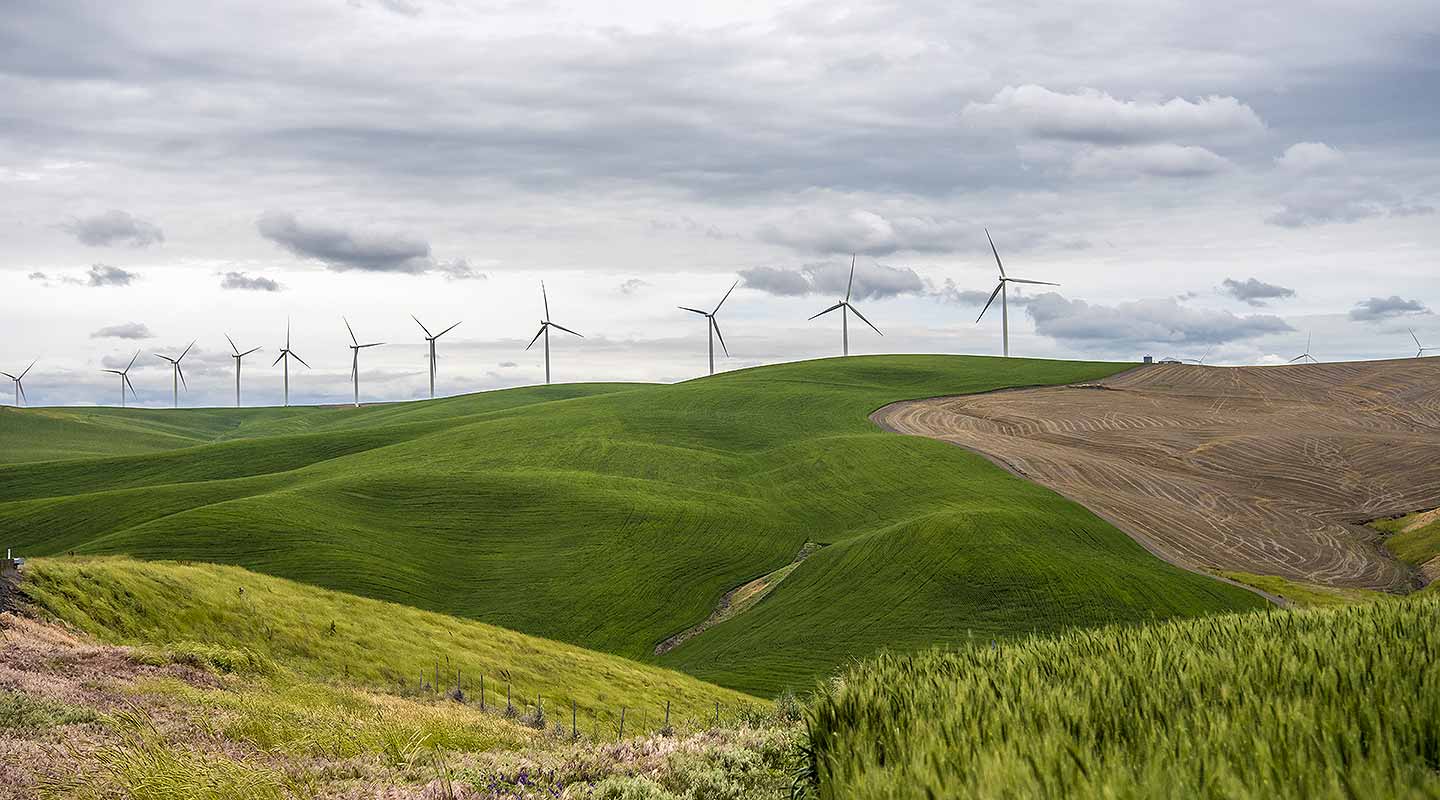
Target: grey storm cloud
[(1152, 321), (106, 275), (113, 227), (633, 285), (253, 283), (342, 249), (952, 293), (1254, 291), (872, 281), (458, 269), (1090, 115), (125, 330), (1376, 309)]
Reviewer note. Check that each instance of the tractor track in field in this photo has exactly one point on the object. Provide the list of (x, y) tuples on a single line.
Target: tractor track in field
[(1266, 470)]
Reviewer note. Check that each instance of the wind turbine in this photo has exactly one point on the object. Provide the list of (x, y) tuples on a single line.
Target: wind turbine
[(1004, 295), (237, 355), (845, 309), (713, 327), (177, 375), (1423, 348), (19, 387), (1201, 360), (1305, 354), (431, 341), (546, 325), (285, 355), (125, 378), (355, 348)]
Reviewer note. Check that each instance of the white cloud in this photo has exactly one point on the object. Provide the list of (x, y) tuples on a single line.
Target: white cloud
[(1160, 160), (1309, 157), (1151, 321), (1093, 116)]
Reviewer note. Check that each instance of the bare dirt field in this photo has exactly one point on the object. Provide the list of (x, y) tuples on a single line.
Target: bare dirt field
[(1266, 470)]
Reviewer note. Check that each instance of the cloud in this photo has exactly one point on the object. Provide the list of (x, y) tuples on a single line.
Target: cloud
[(1376, 309), (125, 330), (255, 283), (951, 293), (1320, 205), (1153, 321), (106, 275), (458, 269), (111, 228), (1159, 160), (865, 232), (875, 281), (341, 250), (1095, 117), (1309, 157), (632, 286), (1253, 291)]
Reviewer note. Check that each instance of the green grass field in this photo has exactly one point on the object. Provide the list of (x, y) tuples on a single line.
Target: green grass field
[(1323, 703), (1411, 546), (612, 516)]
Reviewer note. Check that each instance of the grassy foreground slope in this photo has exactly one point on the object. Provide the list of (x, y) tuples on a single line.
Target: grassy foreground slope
[(613, 520), (1324, 703), (229, 614)]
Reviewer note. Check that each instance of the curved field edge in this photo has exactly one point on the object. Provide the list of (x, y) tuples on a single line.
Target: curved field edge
[(1321, 703), (223, 612), (615, 520)]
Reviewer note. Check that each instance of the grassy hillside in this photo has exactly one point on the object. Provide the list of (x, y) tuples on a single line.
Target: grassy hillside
[(232, 615), (615, 516), (1413, 538), (1325, 703)]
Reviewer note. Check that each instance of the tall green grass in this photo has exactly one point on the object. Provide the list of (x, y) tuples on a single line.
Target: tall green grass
[(1325, 703)]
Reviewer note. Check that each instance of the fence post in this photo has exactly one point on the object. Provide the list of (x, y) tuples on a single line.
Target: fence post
[(437, 674), (667, 713), (573, 733), (622, 723), (482, 692), (717, 713), (509, 707)]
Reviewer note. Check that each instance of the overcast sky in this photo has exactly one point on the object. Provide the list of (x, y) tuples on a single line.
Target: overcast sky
[(1221, 176)]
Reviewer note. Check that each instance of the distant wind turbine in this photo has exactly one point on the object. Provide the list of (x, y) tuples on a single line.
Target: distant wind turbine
[(1201, 360), (1004, 295), (285, 355), (1305, 354), (355, 348), (125, 378), (845, 309), (19, 387), (431, 341), (177, 375), (545, 326), (237, 355), (713, 327), (1423, 349)]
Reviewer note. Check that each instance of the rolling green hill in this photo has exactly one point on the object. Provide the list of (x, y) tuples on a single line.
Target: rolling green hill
[(613, 516)]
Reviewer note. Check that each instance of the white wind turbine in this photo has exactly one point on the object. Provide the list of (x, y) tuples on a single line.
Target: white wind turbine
[(177, 375), (1423, 349), (19, 387), (237, 355), (1004, 295), (125, 378), (1305, 354), (845, 309), (430, 340), (713, 327), (1201, 360), (355, 348), (285, 355), (545, 326)]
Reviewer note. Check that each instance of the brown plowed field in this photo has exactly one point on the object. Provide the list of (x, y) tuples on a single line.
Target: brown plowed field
[(1265, 470)]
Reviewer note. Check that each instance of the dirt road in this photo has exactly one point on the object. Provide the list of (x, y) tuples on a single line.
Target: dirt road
[(1257, 469)]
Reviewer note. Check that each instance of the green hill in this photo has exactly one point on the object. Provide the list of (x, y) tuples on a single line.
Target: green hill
[(1324, 703), (613, 516)]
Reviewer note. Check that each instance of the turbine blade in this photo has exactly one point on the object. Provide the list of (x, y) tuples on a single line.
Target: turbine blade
[(828, 310), (447, 330), (862, 318), (546, 299), (851, 284), (8, 375), (132, 360), (113, 371), (232, 344), (21, 387), (694, 310), (996, 252), (726, 297), (277, 358), (187, 349), (27, 370), (126, 379), (1416, 338), (181, 373), (422, 326), (372, 344), (993, 295), (720, 336), (1296, 358), (1037, 283), (352, 330), (251, 350), (537, 335), (567, 330), (301, 360)]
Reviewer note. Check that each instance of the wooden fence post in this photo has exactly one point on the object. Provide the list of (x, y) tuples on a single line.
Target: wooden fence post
[(482, 691), (573, 733), (622, 723), (667, 713)]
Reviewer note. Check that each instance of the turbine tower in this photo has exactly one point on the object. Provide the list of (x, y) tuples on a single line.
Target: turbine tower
[(285, 355), (712, 327), (545, 326), (1305, 354), (1004, 295), (125, 378), (237, 355), (355, 348), (430, 340), (177, 375), (1423, 349), (19, 387), (845, 309)]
